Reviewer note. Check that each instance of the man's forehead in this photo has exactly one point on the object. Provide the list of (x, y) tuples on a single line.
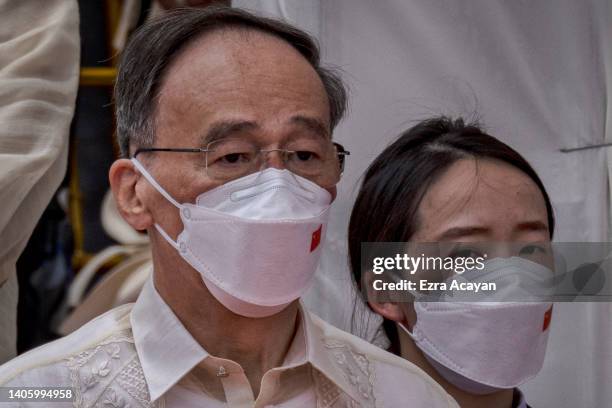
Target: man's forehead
[(235, 48), (242, 75), (226, 63)]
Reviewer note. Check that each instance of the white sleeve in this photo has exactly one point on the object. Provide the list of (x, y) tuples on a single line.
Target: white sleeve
[(39, 73)]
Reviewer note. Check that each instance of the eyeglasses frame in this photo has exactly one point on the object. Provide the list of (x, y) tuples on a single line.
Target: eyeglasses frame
[(340, 151)]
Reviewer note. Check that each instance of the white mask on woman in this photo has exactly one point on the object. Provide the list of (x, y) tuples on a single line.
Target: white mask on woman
[(482, 347)]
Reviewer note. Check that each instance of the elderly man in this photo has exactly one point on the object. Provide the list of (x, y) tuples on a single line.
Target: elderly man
[(227, 118)]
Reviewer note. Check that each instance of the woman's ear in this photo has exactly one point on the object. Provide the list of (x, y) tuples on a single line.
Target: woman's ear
[(123, 178), (399, 312), (389, 310), (333, 191), (389, 304)]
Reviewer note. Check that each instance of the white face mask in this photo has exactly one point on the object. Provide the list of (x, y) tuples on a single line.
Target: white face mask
[(255, 241), (482, 347)]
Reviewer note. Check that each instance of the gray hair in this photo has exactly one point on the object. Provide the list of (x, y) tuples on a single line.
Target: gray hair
[(153, 46)]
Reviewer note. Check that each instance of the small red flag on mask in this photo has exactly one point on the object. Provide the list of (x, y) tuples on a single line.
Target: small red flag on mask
[(316, 238)]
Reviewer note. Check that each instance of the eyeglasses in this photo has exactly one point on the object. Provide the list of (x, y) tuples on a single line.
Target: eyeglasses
[(319, 161)]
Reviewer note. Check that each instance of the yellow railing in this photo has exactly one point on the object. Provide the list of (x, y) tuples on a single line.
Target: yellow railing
[(98, 76), (90, 76)]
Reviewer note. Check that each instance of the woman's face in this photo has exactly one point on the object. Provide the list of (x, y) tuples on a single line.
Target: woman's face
[(481, 201), (484, 206)]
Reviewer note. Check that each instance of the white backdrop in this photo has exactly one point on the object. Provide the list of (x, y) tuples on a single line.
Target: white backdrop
[(536, 73)]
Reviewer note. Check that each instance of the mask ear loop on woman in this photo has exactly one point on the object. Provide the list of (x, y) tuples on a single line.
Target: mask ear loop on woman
[(164, 193)]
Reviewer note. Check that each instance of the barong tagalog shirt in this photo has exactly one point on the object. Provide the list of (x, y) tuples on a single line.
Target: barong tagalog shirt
[(140, 355)]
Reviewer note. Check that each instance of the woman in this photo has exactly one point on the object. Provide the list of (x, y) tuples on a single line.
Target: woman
[(445, 181)]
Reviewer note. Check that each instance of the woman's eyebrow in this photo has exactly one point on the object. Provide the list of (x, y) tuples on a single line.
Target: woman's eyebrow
[(458, 232), (536, 225)]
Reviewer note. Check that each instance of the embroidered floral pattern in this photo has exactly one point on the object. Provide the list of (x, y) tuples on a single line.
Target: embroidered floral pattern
[(112, 399), (109, 376), (356, 368), (132, 380), (327, 392)]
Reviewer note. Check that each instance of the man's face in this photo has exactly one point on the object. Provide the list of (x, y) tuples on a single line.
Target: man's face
[(230, 84)]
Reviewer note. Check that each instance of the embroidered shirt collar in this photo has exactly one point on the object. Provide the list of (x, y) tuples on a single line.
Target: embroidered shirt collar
[(167, 351), (165, 348)]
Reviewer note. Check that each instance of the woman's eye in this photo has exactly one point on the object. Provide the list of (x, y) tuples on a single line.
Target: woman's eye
[(531, 250), (465, 253), (541, 254)]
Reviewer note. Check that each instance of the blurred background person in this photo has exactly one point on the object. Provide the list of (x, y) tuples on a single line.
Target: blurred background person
[(39, 61)]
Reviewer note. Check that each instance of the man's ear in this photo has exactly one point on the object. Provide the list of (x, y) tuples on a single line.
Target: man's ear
[(123, 178)]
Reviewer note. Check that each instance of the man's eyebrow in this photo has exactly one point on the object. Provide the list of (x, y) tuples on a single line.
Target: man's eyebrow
[(312, 124), (460, 232), (226, 128)]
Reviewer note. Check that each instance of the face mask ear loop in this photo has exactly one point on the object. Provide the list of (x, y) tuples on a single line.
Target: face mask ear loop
[(412, 336), (155, 184), (167, 237), (163, 192)]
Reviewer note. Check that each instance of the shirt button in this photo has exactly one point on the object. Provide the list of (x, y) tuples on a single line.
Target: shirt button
[(222, 372)]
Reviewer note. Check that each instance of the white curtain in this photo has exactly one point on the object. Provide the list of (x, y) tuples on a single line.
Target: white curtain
[(537, 73)]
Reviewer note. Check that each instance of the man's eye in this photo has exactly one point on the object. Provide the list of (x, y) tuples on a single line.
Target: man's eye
[(234, 158), (304, 155)]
